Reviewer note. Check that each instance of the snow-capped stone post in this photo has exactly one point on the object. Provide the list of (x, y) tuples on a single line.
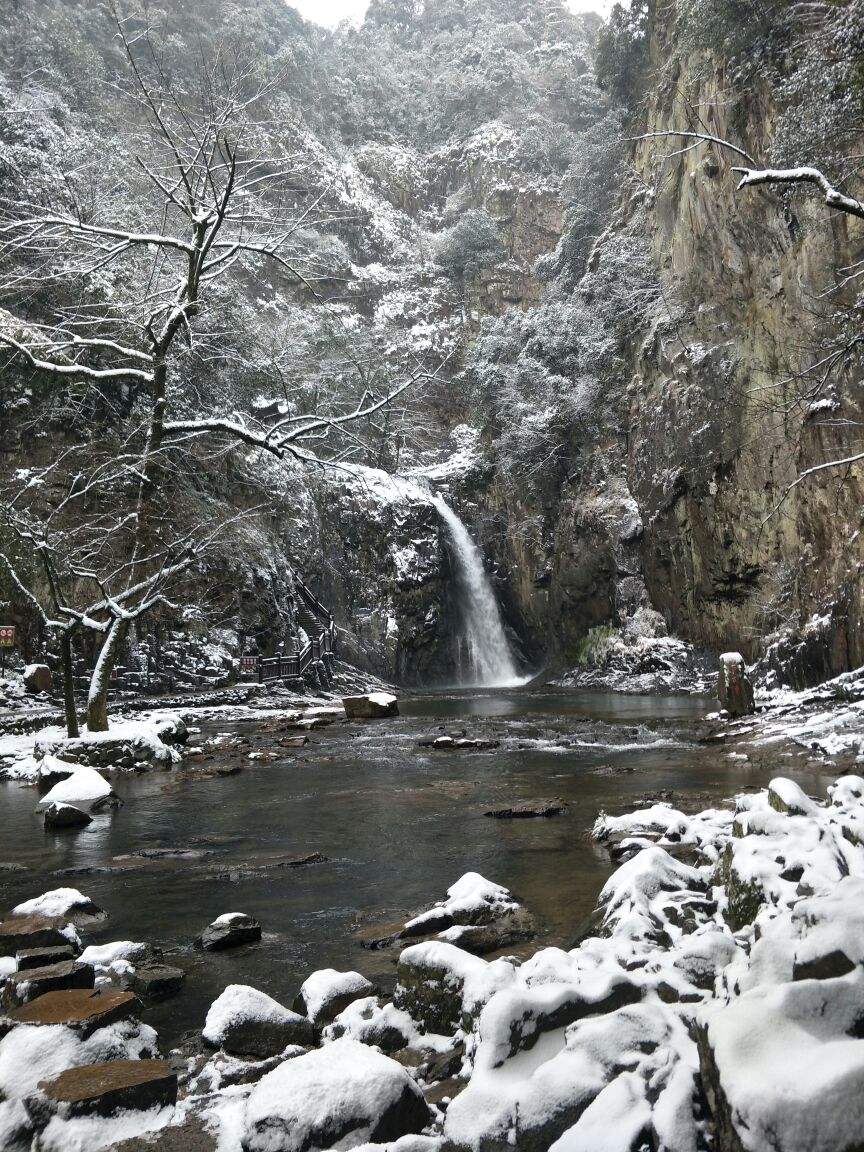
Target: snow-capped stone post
[(734, 690)]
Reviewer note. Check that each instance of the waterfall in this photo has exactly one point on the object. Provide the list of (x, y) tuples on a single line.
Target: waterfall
[(488, 649)]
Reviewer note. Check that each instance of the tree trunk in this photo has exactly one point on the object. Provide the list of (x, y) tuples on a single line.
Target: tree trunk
[(100, 681), (68, 673)]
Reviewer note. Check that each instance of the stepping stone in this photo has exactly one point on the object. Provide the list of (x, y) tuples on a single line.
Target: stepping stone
[(293, 742), (527, 809), (19, 933), (35, 982), (156, 981), (228, 931), (105, 1088), (41, 957), (83, 1009), (458, 742)]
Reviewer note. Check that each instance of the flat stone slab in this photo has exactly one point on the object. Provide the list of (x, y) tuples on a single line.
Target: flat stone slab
[(105, 1088), (21, 932), (66, 974), (526, 809), (84, 1009), (190, 1136), (41, 957)]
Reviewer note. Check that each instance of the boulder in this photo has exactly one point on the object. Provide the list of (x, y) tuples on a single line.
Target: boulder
[(20, 932), (432, 978), (35, 982), (106, 1088), (372, 706), (342, 1095), (65, 902), (84, 1009), (247, 1022), (65, 816), (229, 931), (734, 690), (83, 788), (156, 981), (38, 679), (327, 992)]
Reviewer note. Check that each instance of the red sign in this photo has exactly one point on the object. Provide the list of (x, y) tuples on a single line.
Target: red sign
[(248, 663), (7, 635)]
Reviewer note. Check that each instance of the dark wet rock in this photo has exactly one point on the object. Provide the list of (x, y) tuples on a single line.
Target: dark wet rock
[(156, 981), (106, 803), (40, 957), (66, 816), (105, 1088), (83, 1009), (249, 870), (21, 932), (35, 982), (376, 937), (734, 690), (458, 743), (826, 967), (172, 853), (37, 679), (229, 931), (431, 980), (190, 1136), (481, 939), (526, 809), (9, 866)]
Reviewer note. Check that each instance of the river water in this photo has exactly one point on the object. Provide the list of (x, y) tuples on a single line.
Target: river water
[(397, 824)]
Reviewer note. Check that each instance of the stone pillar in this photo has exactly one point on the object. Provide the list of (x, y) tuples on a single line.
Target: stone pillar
[(734, 690)]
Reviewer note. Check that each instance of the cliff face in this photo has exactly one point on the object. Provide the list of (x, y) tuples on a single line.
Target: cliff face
[(721, 423)]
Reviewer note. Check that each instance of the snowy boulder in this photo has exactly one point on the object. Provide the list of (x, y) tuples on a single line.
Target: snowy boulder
[(478, 916), (37, 679), (372, 706), (65, 816), (369, 1021), (82, 788), (228, 931), (246, 1022), (344, 1094), (782, 1067), (634, 899), (734, 690), (786, 796), (441, 986), (327, 992), (67, 903)]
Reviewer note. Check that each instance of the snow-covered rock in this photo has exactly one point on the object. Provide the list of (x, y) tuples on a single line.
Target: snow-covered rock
[(247, 1022), (82, 788), (341, 1095), (60, 902), (325, 993)]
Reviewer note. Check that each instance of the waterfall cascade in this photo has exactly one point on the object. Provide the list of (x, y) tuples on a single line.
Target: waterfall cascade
[(491, 660)]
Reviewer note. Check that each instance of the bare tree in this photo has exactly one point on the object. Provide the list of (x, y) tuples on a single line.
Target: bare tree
[(214, 200)]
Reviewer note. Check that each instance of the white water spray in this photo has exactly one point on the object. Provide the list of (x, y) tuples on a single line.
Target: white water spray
[(488, 649)]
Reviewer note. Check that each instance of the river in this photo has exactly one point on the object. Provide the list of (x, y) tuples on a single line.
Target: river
[(397, 824)]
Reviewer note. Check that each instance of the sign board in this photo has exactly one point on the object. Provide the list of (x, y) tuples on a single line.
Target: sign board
[(248, 664), (7, 635)]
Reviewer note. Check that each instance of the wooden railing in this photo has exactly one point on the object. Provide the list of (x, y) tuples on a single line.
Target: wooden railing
[(291, 667)]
